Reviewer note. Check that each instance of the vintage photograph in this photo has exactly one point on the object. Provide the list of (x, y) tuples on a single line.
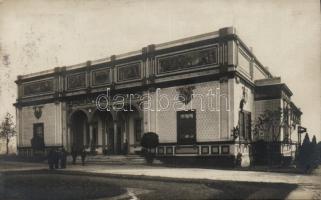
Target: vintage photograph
[(173, 99)]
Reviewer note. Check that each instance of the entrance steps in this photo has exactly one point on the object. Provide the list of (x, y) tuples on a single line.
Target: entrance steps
[(112, 159)]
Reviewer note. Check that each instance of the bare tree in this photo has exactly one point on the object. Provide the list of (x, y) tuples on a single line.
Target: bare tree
[(269, 123), (7, 130)]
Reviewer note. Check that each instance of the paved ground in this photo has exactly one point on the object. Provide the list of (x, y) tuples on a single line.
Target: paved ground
[(306, 186), (309, 186)]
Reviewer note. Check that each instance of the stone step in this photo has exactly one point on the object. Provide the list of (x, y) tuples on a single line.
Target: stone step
[(113, 159)]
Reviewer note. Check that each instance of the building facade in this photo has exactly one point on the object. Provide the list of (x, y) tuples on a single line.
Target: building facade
[(202, 95)]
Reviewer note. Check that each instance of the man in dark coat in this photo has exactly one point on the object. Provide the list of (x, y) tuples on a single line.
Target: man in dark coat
[(51, 159), (83, 155), (74, 154), (56, 158), (63, 158)]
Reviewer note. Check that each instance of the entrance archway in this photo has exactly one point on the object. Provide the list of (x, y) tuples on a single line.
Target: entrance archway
[(102, 132), (79, 130), (128, 130)]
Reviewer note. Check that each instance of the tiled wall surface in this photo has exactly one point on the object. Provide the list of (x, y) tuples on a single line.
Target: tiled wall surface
[(51, 117), (213, 111)]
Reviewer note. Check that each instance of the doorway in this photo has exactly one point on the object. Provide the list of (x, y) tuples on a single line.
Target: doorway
[(186, 127)]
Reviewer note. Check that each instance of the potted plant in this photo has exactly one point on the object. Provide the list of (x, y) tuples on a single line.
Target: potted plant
[(149, 142)]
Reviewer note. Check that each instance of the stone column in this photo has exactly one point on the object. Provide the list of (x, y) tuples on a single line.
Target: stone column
[(115, 137), (103, 134), (90, 135), (128, 133), (68, 139)]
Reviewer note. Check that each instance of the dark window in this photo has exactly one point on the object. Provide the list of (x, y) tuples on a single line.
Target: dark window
[(138, 130), (38, 142), (245, 125), (38, 130), (186, 127)]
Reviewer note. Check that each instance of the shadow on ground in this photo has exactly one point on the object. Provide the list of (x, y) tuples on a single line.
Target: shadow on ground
[(45, 184)]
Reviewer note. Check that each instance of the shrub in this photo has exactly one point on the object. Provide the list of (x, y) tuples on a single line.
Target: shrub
[(149, 141)]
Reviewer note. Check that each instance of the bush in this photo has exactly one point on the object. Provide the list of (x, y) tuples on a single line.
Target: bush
[(149, 141)]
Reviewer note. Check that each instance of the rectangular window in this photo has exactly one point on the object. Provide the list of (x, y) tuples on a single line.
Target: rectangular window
[(38, 141), (186, 127), (138, 130), (38, 130)]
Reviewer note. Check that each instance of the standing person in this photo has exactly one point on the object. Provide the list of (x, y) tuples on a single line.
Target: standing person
[(74, 154), (56, 158), (50, 159), (63, 158), (83, 155)]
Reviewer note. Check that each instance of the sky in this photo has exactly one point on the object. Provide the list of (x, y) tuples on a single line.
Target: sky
[(38, 35)]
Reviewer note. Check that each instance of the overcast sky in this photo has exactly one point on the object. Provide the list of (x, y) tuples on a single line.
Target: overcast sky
[(39, 35)]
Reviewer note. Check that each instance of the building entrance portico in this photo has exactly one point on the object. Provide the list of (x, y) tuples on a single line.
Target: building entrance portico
[(104, 132)]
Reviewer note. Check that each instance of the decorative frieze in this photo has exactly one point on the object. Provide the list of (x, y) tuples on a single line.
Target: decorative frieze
[(129, 72), (76, 81), (100, 77), (188, 60), (39, 87)]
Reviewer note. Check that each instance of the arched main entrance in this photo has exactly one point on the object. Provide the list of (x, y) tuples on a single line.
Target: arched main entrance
[(128, 129), (107, 132), (102, 130), (79, 130)]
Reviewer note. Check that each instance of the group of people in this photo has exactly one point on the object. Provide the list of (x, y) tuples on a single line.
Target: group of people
[(75, 152), (57, 159)]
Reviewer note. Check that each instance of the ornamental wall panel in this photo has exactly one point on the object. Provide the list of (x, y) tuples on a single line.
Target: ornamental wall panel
[(38, 87), (244, 62), (187, 59)]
